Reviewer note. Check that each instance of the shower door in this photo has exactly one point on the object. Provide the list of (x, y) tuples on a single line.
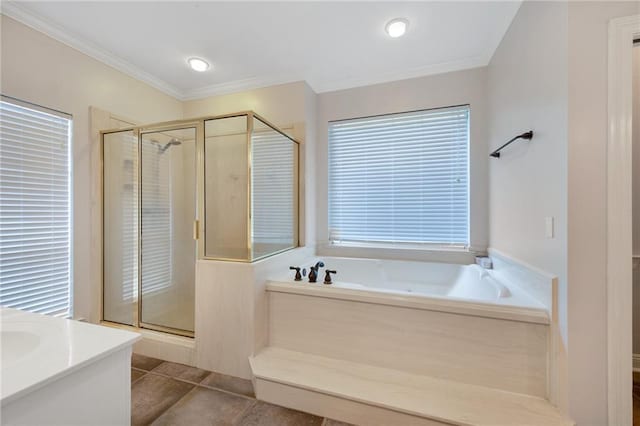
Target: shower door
[(168, 211), (149, 251), (120, 227)]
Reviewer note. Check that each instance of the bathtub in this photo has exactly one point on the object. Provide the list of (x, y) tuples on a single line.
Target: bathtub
[(440, 286), (453, 322)]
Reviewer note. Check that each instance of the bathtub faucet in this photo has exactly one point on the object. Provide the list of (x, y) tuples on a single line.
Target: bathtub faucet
[(298, 274), (327, 275), (313, 271)]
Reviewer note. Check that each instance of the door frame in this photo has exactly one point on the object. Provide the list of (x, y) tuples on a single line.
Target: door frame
[(622, 32)]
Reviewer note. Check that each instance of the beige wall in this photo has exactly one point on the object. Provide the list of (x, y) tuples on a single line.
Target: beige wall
[(289, 106), (38, 69), (456, 88), (47, 72), (283, 105)]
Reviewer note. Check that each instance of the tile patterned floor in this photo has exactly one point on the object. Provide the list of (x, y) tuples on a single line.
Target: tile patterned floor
[(166, 393)]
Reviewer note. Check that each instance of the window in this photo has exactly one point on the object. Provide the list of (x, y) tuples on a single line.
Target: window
[(35, 209), (400, 178)]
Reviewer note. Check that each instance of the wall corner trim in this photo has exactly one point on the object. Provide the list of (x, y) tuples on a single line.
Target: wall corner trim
[(619, 220)]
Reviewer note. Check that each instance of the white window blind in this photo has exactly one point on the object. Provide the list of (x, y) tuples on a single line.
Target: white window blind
[(272, 188), (400, 178), (157, 224), (128, 216), (35, 209)]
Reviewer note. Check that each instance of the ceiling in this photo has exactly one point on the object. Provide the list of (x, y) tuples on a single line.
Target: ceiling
[(331, 45)]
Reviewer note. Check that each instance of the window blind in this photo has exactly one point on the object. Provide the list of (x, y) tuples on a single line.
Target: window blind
[(400, 178), (157, 224), (129, 217), (272, 188), (35, 210)]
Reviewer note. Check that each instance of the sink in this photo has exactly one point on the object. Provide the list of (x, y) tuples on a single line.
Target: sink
[(16, 345), (45, 363)]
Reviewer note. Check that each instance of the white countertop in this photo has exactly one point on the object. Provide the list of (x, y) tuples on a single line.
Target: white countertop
[(38, 349)]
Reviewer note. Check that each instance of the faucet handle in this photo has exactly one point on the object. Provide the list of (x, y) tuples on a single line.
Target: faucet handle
[(298, 275), (327, 275)]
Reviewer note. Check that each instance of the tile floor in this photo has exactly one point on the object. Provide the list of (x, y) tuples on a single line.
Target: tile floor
[(166, 393)]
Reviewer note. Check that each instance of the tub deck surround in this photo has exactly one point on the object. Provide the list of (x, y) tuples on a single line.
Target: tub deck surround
[(502, 354), (360, 293), (530, 281), (406, 398), (398, 342)]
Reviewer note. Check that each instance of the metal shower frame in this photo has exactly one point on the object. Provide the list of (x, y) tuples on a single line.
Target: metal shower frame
[(199, 125)]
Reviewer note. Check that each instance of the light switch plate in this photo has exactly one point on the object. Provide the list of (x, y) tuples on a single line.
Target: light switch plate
[(548, 227)]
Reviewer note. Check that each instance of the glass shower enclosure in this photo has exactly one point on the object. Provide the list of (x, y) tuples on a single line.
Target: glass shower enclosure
[(221, 188)]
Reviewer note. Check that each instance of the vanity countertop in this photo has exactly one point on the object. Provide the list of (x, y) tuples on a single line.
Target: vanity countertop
[(38, 349)]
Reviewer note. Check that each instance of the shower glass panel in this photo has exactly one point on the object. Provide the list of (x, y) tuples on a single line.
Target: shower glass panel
[(274, 203), (235, 176), (226, 171), (168, 251), (120, 292)]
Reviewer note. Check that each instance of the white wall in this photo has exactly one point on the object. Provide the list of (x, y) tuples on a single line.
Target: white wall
[(38, 69), (456, 88), (550, 74), (527, 90), (587, 203)]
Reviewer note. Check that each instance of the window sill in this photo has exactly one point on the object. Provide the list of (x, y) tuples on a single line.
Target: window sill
[(412, 252)]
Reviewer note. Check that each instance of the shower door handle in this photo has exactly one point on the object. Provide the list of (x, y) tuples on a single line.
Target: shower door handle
[(196, 229)]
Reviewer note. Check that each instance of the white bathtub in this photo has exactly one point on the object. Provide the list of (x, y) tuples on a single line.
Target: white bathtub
[(385, 320), (453, 322), (441, 286)]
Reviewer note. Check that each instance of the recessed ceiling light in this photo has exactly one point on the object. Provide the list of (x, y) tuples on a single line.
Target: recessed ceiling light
[(396, 27), (198, 64)]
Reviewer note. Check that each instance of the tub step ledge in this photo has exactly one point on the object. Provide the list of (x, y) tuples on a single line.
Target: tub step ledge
[(364, 394)]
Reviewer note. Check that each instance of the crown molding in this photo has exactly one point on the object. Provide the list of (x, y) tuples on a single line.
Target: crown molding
[(21, 14), (27, 17)]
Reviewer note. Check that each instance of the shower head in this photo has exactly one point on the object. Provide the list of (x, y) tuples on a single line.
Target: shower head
[(173, 141)]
